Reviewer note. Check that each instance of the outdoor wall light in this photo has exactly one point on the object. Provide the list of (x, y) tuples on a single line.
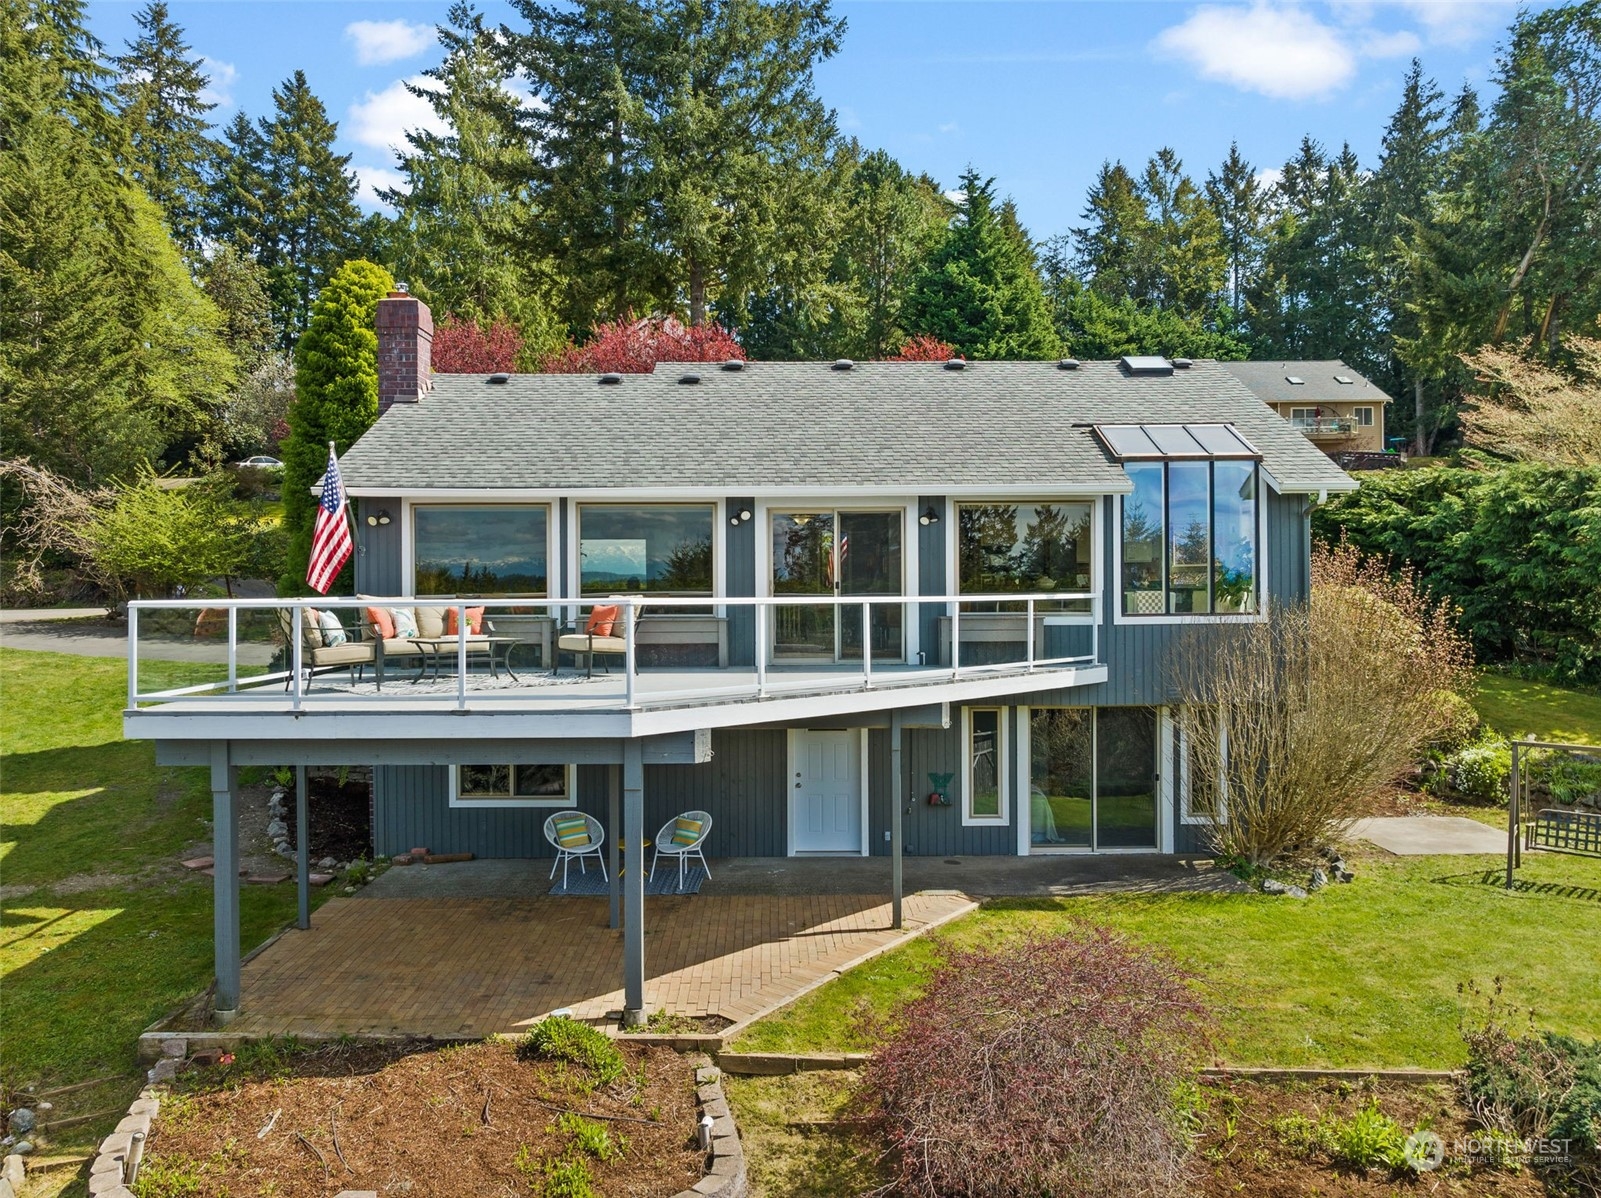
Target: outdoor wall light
[(381, 518), (929, 516), (740, 517)]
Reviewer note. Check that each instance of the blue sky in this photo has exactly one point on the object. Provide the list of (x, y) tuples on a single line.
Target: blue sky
[(1037, 94)]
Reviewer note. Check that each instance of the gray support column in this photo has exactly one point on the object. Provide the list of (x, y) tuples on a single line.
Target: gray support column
[(614, 823), (225, 884), (302, 848), (896, 807), (633, 883)]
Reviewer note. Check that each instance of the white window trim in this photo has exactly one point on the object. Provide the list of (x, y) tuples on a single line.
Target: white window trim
[(456, 799), (953, 555), (408, 540), (1263, 593), (1186, 816), (1002, 773), (575, 589), (1356, 416)]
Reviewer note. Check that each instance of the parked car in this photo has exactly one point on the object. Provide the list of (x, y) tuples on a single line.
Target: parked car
[(260, 462)]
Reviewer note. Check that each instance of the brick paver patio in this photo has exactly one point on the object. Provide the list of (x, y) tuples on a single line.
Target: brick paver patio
[(473, 966)]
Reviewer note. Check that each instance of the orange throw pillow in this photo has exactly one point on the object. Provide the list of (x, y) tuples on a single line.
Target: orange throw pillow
[(602, 620), (475, 621), (382, 621)]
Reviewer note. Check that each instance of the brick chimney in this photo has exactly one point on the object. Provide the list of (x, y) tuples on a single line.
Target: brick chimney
[(405, 348)]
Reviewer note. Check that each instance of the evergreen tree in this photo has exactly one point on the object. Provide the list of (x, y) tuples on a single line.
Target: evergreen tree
[(235, 203), (1240, 204), (1183, 249), (237, 285), (1109, 247), (158, 98), (336, 398), (977, 290), (309, 216)]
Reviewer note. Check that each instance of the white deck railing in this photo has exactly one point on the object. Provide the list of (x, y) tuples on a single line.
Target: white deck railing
[(285, 653)]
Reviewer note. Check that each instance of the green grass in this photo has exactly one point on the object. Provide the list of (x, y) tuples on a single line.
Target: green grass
[(103, 932), (1363, 975), (1520, 707)]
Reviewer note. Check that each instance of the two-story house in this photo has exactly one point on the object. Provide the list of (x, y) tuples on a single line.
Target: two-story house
[(860, 608), (1333, 406)]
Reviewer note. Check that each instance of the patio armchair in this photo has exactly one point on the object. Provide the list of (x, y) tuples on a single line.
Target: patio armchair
[(598, 636), (682, 837), (325, 644), (575, 836)]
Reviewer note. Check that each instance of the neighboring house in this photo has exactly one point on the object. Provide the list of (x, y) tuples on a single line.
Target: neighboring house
[(1024, 548), (1337, 409)]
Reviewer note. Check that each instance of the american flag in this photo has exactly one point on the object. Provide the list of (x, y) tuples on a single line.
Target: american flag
[(331, 545)]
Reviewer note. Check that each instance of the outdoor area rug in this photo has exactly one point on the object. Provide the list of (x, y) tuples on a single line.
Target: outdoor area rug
[(591, 884)]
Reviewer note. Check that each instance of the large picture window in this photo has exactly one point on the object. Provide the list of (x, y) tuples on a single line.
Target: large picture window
[(513, 786), (1024, 548), (481, 550), (1189, 538), (660, 548)]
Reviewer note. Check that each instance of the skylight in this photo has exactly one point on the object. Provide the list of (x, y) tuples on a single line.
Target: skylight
[(1295, 380), (1147, 364), (1134, 441), (1344, 380)]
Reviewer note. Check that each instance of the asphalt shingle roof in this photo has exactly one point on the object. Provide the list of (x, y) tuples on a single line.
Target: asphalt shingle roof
[(913, 426), (1270, 382)]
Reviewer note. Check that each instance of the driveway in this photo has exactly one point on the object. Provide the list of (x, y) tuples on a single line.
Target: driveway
[(1430, 835)]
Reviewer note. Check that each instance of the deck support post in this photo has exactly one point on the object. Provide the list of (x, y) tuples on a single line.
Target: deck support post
[(614, 799), (302, 848), (896, 785), (633, 883), (225, 881)]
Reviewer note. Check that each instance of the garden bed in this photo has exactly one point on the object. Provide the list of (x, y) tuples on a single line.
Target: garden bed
[(425, 1120), (340, 807)]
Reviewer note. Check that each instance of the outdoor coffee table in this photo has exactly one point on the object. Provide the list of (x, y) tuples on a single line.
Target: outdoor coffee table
[(445, 648)]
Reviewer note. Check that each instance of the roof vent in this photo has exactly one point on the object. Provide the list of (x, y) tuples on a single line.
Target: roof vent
[(956, 364), (689, 378), (1183, 363), (501, 377), (610, 379), (842, 364), (1147, 364), (1344, 380), (734, 364), (1295, 380), (1067, 364)]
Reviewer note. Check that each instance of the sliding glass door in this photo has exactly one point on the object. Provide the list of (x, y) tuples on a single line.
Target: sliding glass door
[(1092, 777), (839, 553)]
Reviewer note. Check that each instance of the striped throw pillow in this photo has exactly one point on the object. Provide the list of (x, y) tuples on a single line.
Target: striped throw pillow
[(572, 832), (685, 831)]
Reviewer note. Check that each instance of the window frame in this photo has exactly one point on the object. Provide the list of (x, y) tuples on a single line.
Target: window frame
[(410, 508), (575, 560), (1259, 581), (1003, 817), (1358, 411), (470, 802), (1092, 533), (1187, 815)]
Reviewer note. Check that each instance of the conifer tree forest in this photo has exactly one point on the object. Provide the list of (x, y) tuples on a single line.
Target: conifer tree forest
[(604, 162)]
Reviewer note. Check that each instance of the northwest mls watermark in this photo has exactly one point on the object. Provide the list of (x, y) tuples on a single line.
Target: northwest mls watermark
[(1425, 1151)]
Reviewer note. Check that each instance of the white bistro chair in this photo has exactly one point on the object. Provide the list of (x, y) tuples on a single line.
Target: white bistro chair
[(575, 836), (682, 837)]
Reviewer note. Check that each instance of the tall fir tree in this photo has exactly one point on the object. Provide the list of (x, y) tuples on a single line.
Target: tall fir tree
[(1108, 247), (336, 399), (977, 290), (158, 97), (1183, 245), (1239, 201), (309, 220), (235, 202)]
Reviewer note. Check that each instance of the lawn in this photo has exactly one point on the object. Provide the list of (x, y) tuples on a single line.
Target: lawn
[(1520, 707), (101, 931), (1363, 975)]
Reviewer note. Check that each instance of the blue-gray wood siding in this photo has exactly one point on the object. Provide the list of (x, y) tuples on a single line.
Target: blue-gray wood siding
[(931, 580), (739, 580), (378, 549)]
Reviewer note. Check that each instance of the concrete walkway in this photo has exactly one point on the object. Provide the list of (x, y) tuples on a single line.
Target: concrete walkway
[(87, 632), (1430, 835)]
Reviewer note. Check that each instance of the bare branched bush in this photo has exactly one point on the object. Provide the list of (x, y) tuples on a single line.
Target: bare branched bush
[(1533, 412), (1312, 715), (1048, 1066), (48, 524)]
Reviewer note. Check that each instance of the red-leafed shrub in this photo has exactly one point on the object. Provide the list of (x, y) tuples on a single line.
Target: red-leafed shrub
[(465, 347), (635, 346), (1048, 1066), (924, 348)]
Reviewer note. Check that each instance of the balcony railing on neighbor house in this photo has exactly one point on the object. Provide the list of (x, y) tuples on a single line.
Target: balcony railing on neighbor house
[(1325, 426), (232, 650)]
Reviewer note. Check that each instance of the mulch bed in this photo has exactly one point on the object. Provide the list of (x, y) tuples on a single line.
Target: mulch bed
[(422, 1120), (341, 814), (1254, 1158)]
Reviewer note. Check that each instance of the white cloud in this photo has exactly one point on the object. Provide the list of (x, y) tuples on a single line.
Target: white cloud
[(369, 179), (1457, 22), (388, 41), (1390, 45), (1283, 53), (1269, 177), (382, 119), (950, 127), (221, 77)]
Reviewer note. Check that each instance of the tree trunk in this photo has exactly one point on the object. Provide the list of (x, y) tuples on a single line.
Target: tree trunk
[(1548, 330), (697, 294), (1522, 271), (1419, 437)]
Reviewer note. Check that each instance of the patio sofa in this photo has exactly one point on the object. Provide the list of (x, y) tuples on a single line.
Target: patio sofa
[(433, 622)]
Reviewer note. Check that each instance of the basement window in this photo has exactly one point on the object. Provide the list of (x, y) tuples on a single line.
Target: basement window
[(984, 789), (513, 786)]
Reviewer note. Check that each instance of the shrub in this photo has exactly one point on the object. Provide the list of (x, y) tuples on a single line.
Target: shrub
[(1542, 1085), (1482, 770), (1046, 1066), (1367, 1140), (561, 1038), (591, 1138)]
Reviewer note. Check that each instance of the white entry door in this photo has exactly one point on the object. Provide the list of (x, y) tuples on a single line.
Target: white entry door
[(825, 801)]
